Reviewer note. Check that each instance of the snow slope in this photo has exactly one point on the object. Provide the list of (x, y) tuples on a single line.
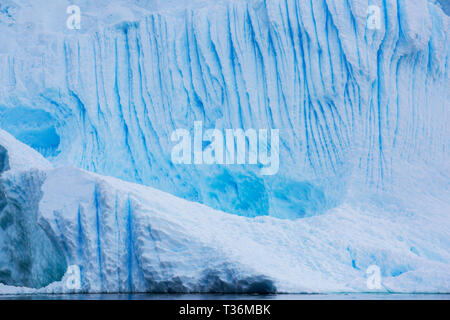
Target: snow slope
[(128, 237)]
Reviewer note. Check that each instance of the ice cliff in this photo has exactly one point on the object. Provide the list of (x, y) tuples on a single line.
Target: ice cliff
[(364, 143), (127, 237), (351, 103)]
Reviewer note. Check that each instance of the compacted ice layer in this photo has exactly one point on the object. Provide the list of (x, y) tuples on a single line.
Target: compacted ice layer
[(126, 237), (27, 256)]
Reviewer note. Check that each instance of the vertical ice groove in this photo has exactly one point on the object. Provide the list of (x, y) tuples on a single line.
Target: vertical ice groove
[(81, 235), (98, 226), (131, 249)]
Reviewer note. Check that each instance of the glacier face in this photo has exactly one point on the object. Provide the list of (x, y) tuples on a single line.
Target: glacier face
[(364, 143), (353, 105)]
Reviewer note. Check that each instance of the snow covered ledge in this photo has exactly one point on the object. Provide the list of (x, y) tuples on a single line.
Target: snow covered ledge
[(126, 237)]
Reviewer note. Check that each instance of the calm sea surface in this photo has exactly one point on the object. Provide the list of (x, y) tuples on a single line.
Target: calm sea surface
[(341, 296)]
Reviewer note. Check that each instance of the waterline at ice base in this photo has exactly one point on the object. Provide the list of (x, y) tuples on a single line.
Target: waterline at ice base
[(234, 146)]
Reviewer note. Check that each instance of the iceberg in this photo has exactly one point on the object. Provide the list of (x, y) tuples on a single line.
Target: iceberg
[(126, 237), (87, 116)]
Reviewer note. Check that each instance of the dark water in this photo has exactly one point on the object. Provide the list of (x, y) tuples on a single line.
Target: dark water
[(134, 296)]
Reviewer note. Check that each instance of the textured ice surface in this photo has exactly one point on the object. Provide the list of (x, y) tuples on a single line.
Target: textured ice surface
[(351, 103), (27, 256), (128, 237), (363, 118)]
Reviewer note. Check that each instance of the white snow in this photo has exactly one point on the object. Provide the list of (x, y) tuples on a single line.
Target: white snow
[(20, 156)]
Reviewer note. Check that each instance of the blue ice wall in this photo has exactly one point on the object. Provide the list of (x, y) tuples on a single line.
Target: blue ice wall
[(354, 105), (33, 127)]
